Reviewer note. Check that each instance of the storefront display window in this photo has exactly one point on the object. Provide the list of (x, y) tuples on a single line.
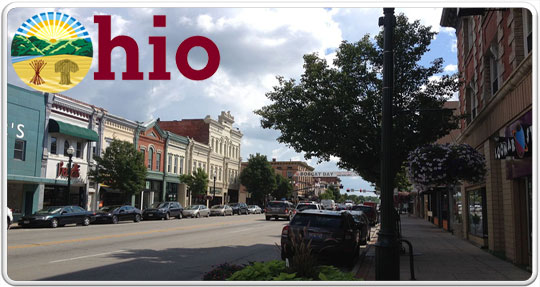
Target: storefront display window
[(477, 213), (458, 208)]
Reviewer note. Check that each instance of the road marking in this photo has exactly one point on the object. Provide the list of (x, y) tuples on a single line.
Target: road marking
[(86, 256), (121, 235)]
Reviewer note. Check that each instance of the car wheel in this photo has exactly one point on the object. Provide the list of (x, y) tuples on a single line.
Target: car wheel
[(179, 215), (198, 215), (167, 216), (137, 218), (268, 218), (115, 219), (54, 223), (86, 221)]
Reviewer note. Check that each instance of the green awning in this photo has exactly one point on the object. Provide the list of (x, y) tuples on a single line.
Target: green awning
[(68, 129)]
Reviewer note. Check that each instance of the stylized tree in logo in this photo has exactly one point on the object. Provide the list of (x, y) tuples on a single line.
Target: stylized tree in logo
[(65, 68), (37, 65)]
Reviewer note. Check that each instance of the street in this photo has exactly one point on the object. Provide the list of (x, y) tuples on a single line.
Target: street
[(173, 250)]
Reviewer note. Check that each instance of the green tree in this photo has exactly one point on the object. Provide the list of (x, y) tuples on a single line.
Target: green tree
[(258, 177), (121, 167), (336, 110), (283, 189), (327, 195), (197, 183)]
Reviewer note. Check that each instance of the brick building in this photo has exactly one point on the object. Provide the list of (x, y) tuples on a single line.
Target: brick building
[(215, 147), (304, 186), (495, 67)]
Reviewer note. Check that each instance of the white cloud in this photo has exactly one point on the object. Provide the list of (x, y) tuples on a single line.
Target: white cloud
[(450, 68)]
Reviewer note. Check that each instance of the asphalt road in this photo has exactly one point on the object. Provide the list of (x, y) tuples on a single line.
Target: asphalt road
[(173, 250)]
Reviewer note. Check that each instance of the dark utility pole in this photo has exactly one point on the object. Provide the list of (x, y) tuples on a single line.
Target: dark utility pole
[(214, 197), (387, 247)]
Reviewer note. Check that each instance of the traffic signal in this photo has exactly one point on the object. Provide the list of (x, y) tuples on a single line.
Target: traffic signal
[(341, 186), (348, 190)]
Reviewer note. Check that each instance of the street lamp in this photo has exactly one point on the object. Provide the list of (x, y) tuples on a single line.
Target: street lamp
[(213, 197), (70, 152), (387, 246)]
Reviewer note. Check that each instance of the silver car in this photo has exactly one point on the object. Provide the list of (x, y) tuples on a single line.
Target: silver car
[(254, 209), (196, 211), (221, 210)]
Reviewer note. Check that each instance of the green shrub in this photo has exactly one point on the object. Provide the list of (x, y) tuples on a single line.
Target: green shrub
[(277, 271)]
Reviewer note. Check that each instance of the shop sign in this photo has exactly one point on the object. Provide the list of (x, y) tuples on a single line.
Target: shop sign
[(63, 171), (517, 143)]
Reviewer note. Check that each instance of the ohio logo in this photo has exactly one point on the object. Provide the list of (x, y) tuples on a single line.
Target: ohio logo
[(51, 52)]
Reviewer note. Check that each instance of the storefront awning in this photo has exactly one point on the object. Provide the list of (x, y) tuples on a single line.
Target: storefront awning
[(72, 130)]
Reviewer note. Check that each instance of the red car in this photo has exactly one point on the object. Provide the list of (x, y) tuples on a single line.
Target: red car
[(370, 211)]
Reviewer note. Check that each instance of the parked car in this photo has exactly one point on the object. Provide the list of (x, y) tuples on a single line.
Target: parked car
[(239, 208), (55, 216), (254, 209), (328, 204), (9, 217), (370, 211), (115, 213), (307, 205), (363, 224), (164, 210), (279, 209), (333, 235), (196, 211), (221, 210)]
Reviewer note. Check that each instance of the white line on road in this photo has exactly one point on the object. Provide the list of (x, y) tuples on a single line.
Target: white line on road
[(86, 256)]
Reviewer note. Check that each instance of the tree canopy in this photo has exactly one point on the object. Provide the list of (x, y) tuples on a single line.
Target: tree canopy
[(197, 182), (336, 110), (258, 177), (284, 187), (121, 167)]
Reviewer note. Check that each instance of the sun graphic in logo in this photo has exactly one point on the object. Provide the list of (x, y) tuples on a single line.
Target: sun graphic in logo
[(51, 52)]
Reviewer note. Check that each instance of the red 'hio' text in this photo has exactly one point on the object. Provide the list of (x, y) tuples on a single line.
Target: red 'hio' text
[(106, 45)]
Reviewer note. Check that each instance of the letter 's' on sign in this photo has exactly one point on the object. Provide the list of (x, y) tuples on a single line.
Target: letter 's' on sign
[(106, 45)]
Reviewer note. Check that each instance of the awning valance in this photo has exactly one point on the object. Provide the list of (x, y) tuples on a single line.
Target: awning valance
[(72, 130)]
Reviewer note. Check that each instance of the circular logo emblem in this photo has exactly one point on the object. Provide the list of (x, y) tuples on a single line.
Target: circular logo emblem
[(51, 52)]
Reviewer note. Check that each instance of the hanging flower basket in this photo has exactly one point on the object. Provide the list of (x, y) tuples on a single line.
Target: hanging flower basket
[(445, 164)]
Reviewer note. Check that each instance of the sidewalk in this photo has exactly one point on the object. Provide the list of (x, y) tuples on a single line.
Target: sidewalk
[(440, 256)]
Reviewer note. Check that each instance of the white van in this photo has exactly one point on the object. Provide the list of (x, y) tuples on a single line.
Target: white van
[(328, 204)]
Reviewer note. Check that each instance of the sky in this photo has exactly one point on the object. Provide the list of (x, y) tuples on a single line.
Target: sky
[(255, 45)]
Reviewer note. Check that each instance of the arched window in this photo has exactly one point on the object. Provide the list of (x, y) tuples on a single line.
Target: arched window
[(66, 146), (150, 157)]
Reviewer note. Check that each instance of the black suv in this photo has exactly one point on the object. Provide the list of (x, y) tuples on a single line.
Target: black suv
[(164, 210), (333, 235), (239, 208)]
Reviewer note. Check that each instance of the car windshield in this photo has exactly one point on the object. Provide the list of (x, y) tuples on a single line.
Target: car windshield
[(317, 220), (160, 205), (109, 208), (276, 204), (193, 207), (301, 207), (217, 207), (252, 206), (50, 210)]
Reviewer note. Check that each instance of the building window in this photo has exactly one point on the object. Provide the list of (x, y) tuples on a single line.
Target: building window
[(53, 145), (527, 30), (467, 35), (477, 213), (220, 148), (219, 174), (150, 158), (181, 165), (79, 150), (204, 166), (200, 164), (19, 151), (66, 146), (158, 161), (194, 166), (493, 68), (175, 164), (169, 163)]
